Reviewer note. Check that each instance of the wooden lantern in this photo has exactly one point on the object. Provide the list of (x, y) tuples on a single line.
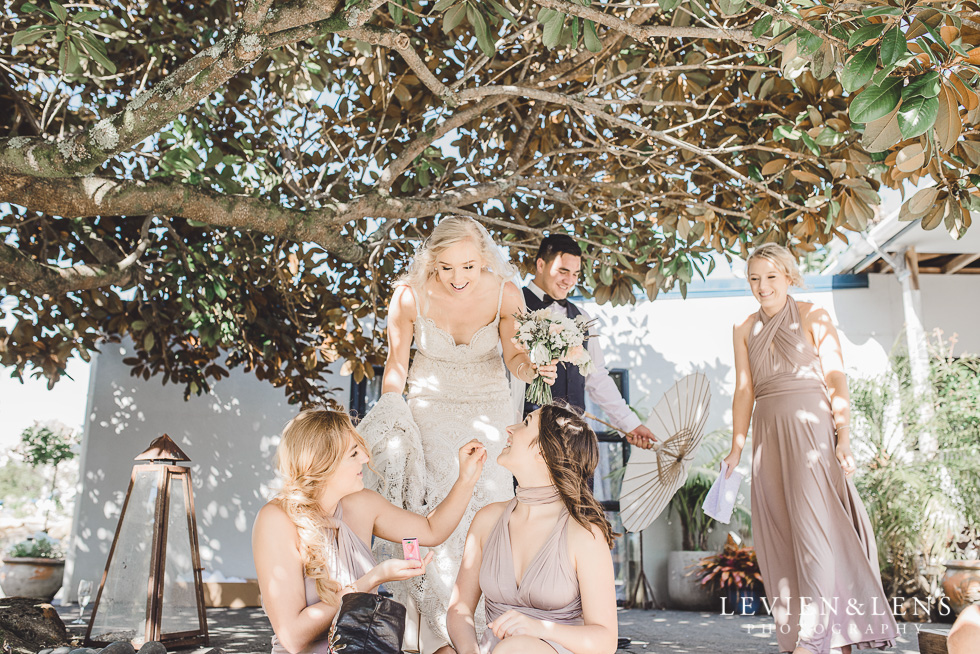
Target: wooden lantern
[(151, 589)]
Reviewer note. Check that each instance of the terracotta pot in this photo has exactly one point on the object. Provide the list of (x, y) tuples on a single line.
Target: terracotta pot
[(35, 578), (686, 592), (961, 583)]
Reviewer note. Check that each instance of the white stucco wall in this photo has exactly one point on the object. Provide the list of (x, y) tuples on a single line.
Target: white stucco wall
[(231, 434)]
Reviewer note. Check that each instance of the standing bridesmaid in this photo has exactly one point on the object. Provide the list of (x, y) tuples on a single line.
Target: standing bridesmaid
[(816, 549)]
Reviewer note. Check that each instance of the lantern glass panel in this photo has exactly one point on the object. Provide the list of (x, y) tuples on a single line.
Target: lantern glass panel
[(179, 608), (121, 613)]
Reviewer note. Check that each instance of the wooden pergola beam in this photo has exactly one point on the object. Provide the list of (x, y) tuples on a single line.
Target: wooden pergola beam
[(960, 262)]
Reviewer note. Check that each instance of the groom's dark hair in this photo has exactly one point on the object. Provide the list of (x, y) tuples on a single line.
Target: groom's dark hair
[(556, 244)]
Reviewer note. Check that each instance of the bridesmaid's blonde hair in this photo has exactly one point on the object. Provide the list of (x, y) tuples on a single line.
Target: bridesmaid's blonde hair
[(311, 447), (780, 257), (450, 231)]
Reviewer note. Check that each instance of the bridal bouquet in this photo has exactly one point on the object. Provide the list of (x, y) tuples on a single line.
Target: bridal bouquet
[(547, 337)]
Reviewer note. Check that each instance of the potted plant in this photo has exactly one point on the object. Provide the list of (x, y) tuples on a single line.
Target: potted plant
[(961, 582), (33, 568), (684, 590), (916, 450), (733, 571)]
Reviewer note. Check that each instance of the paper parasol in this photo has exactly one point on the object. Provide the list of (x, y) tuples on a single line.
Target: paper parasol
[(653, 476)]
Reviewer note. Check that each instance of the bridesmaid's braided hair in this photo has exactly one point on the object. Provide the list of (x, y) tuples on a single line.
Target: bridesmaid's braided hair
[(571, 451), (310, 449)]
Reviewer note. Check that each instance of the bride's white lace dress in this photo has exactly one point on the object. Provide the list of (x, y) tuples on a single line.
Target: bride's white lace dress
[(456, 392)]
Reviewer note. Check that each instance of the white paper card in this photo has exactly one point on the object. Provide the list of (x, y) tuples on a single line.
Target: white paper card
[(720, 501)]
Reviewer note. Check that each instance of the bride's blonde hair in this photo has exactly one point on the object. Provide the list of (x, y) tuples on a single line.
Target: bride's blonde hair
[(311, 447), (450, 231)]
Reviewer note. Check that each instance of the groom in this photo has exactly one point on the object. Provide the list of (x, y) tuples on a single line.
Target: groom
[(557, 268)]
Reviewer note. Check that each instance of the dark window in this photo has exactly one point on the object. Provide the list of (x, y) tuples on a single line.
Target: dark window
[(613, 454), (365, 394)]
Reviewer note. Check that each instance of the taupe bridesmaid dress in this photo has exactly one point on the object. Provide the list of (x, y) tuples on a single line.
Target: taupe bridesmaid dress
[(812, 533), (351, 560), (549, 588)]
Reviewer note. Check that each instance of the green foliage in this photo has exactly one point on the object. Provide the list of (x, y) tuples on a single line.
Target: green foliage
[(41, 546), (696, 526), (919, 501), (19, 481), (77, 41), (286, 192), (46, 445)]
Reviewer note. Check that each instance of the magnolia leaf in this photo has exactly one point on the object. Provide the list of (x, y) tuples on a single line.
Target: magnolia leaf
[(26, 37), (948, 122), (592, 42), (396, 12), (774, 166), (808, 43), (100, 58), (502, 11), (731, 7), (481, 29), (553, 31), (864, 34), (453, 17), (926, 86), (829, 137), (762, 26), (59, 11), (910, 158), (882, 11), (859, 69), (87, 15), (875, 102), (916, 115), (443, 5), (893, 46), (933, 218), (923, 200), (824, 61)]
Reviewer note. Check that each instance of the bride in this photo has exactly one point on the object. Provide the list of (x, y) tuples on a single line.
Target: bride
[(457, 303)]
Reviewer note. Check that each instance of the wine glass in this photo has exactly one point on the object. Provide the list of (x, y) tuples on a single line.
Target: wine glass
[(84, 597)]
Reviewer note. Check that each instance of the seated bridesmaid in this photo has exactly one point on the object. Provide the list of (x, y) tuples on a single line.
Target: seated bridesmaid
[(310, 543), (542, 560)]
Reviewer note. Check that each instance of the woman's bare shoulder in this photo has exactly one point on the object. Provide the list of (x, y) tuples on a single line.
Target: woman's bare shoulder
[(743, 326)]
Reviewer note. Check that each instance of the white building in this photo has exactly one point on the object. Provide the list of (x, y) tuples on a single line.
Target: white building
[(231, 434)]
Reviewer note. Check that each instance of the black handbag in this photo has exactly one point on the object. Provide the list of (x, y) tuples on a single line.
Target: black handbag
[(368, 624)]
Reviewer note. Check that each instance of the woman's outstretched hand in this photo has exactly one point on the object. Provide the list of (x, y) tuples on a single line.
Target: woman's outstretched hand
[(400, 569), (472, 456)]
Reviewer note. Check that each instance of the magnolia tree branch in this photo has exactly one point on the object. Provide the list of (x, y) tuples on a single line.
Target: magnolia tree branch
[(256, 13), (152, 110), (402, 44), (796, 22), (43, 279), (650, 32), (597, 111), (401, 163), (94, 196)]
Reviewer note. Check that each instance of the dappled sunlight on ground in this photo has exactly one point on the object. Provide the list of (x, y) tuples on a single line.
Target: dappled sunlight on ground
[(247, 631)]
